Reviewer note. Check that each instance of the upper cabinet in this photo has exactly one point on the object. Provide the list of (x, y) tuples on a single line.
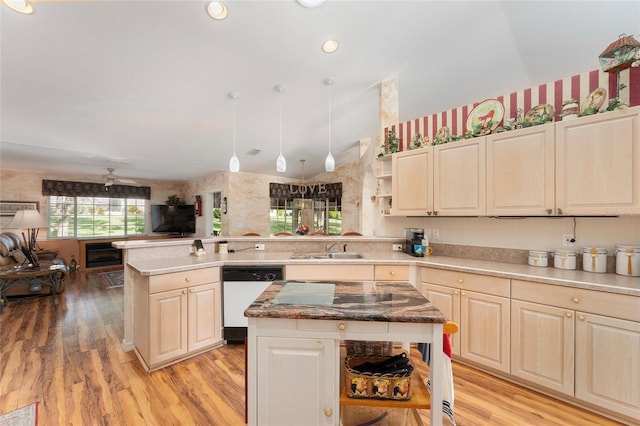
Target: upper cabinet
[(597, 163), (520, 172), (412, 182), (459, 178), (588, 166)]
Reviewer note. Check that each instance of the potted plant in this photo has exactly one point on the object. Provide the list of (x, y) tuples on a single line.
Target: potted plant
[(391, 144)]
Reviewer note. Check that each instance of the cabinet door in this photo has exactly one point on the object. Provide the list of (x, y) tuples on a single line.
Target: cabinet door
[(412, 183), (296, 385), (608, 363), (167, 325), (521, 172), (542, 345), (459, 178), (447, 300), (597, 162), (484, 330), (205, 328)]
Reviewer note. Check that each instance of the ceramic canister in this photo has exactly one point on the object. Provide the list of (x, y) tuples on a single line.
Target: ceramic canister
[(564, 259), (594, 259), (222, 247), (628, 260), (538, 258)]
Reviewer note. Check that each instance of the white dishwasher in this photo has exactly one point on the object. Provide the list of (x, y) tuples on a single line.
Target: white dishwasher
[(241, 285)]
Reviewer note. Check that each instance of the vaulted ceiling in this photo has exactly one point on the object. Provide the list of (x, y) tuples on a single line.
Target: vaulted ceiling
[(142, 85)]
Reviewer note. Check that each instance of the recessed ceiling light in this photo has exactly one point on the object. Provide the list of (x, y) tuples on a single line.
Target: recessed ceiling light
[(310, 3), (21, 6), (330, 46), (217, 10)]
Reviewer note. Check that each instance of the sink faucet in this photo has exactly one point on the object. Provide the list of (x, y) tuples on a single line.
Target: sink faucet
[(328, 246)]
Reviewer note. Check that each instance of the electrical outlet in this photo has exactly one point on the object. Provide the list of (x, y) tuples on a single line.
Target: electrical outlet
[(397, 247), (435, 234), (568, 240), (259, 246), (427, 233)]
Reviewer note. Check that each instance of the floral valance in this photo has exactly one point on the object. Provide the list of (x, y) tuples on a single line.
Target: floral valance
[(88, 189), (314, 191)]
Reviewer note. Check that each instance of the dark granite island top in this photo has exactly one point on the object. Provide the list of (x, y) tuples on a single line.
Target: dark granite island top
[(354, 301)]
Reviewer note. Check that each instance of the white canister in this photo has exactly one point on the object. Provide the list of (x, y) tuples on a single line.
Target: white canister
[(538, 258), (628, 261), (564, 259), (594, 259), (222, 247)]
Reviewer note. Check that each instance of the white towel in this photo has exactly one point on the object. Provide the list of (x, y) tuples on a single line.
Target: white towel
[(447, 388)]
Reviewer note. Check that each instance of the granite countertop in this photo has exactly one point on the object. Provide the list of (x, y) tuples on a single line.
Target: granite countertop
[(356, 301), (609, 282)]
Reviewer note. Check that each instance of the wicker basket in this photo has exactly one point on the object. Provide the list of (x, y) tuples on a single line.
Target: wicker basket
[(367, 348), (375, 386)]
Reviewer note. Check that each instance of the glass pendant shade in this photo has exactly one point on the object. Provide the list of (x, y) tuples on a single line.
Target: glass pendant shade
[(329, 163), (234, 164), (281, 164)]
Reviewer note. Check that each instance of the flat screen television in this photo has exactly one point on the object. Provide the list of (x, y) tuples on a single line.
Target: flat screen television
[(173, 219)]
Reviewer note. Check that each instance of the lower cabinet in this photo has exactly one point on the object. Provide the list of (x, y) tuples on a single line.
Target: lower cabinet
[(480, 306), (296, 385), (581, 343), (176, 315)]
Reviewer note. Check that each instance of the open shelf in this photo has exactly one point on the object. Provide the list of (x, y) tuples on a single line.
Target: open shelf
[(420, 397)]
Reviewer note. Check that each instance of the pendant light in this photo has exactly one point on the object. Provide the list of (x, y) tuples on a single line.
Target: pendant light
[(329, 162), (234, 163), (281, 162)]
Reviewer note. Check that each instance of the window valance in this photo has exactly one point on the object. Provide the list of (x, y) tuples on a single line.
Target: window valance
[(88, 189), (314, 191)]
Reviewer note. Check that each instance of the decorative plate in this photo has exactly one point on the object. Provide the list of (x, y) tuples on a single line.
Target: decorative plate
[(490, 110), (539, 113), (594, 100)]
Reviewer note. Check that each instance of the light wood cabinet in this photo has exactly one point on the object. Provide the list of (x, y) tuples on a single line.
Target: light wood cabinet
[(542, 345), (459, 178), (480, 305), (295, 386), (521, 172), (580, 342), (412, 182), (176, 315), (598, 163)]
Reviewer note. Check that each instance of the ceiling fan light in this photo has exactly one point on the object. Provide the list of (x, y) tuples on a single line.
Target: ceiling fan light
[(20, 6), (217, 10), (310, 3)]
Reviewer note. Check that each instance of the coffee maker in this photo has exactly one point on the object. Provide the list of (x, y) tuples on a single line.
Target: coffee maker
[(413, 236)]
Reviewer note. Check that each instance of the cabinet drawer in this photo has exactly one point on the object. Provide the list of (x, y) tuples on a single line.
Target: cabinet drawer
[(346, 326), (597, 302), (496, 286), (391, 273), (330, 272), (176, 280)]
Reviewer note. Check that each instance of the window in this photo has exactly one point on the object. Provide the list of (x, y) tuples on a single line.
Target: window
[(325, 215), (216, 226), (87, 217)]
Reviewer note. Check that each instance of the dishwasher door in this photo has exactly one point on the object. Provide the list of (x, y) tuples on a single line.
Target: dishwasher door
[(241, 285)]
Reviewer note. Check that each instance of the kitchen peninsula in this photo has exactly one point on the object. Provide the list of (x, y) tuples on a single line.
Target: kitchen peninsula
[(295, 330)]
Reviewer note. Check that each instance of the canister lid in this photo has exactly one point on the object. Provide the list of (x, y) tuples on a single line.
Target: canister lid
[(628, 249), (594, 250), (564, 252), (538, 253)]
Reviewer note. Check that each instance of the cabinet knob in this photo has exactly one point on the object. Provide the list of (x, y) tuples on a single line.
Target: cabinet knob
[(342, 326), (581, 317), (460, 280), (549, 211), (328, 412), (455, 291), (435, 212), (576, 300), (184, 291), (429, 213), (188, 279), (392, 273), (568, 315), (463, 293), (191, 290), (559, 210)]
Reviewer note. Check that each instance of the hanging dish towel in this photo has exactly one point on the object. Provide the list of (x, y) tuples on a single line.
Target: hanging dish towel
[(447, 388)]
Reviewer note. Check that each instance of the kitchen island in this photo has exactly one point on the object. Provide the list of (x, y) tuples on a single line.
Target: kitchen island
[(294, 336)]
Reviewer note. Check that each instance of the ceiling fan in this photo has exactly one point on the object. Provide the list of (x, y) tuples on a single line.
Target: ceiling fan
[(111, 179)]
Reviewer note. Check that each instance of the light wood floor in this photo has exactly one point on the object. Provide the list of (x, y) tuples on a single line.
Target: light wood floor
[(70, 359)]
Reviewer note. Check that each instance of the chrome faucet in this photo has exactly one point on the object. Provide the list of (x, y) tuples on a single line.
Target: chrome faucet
[(328, 246)]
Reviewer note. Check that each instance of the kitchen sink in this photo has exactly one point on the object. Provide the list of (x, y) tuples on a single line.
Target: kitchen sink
[(336, 255)]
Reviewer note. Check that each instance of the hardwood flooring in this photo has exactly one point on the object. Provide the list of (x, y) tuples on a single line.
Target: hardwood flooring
[(70, 359)]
